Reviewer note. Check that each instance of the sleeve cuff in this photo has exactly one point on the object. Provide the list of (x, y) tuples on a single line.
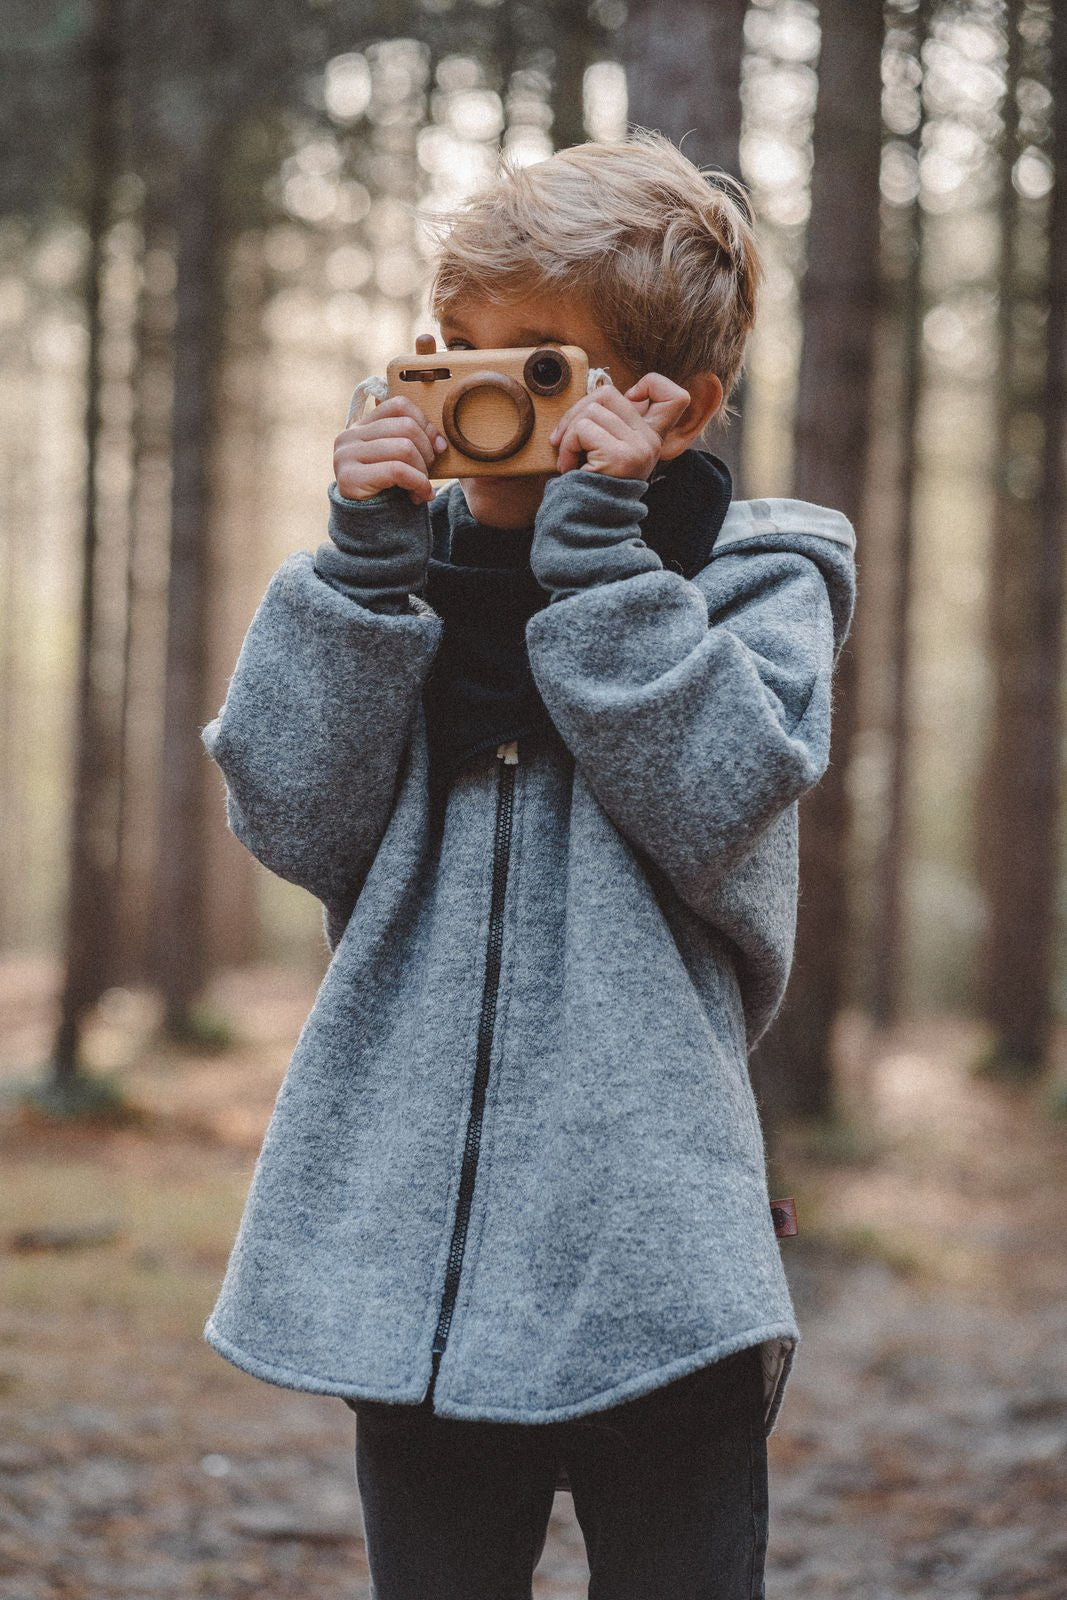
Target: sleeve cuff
[(377, 549), (588, 531)]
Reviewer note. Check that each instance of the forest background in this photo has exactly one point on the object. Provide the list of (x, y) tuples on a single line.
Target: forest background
[(212, 224)]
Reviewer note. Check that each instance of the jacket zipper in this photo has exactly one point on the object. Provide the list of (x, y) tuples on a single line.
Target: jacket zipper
[(508, 756)]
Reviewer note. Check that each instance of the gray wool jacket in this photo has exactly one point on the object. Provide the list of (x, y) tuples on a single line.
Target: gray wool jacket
[(516, 1154)]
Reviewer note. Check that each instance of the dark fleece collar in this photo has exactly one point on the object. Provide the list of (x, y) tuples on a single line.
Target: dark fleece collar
[(480, 691)]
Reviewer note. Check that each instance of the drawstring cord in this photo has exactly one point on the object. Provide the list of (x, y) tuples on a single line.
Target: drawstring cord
[(375, 388)]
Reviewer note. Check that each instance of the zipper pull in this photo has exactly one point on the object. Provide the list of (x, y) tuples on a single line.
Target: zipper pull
[(509, 752)]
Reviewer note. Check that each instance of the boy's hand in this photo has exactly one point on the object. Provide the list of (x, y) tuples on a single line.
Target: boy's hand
[(394, 447), (620, 435)]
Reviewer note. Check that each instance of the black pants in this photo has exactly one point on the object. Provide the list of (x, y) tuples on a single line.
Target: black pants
[(670, 1492)]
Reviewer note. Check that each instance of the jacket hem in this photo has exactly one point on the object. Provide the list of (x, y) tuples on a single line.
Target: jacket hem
[(781, 1338), (779, 1341), (290, 1378), (777, 1356)]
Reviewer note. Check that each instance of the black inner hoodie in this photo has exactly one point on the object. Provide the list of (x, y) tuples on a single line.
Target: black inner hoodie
[(480, 691)]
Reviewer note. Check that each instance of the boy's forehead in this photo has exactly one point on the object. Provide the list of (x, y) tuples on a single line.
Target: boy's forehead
[(533, 319), (531, 334)]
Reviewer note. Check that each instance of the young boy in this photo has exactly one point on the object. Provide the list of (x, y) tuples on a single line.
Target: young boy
[(537, 744)]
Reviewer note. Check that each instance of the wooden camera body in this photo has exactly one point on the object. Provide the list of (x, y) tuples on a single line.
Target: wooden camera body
[(496, 408)]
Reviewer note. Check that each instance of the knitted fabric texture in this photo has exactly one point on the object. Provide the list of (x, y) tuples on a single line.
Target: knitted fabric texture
[(481, 691), (597, 934)]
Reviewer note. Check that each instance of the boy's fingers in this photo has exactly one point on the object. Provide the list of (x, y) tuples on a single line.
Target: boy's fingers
[(621, 425), (400, 428), (618, 404), (418, 485), (571, 415), (597, 426), (567, 418), (570, 453), (608, 397), (571, 446), (398, 405), (415, 482), (665, 414), (592, 435), (604, 394), (655, 387), (600, 417), (394, 447), (375, 476), (666, 400)]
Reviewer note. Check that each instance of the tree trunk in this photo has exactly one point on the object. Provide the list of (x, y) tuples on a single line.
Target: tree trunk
[(1021, 857), (144, 644), (508, 53), (892, 857), (181, 927), (232, 912), (1010, 517), (90, 915), (683, 75), (683, 72), (1035, 1016), (840, 299), (573, 51)]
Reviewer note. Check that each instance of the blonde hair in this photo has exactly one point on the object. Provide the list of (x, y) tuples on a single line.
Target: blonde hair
[(660, 250)]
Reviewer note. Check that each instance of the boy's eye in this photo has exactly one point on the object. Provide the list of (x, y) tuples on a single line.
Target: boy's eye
[(465, 344)]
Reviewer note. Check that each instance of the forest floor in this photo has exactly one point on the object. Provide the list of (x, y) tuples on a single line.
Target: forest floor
[(921, 1450)]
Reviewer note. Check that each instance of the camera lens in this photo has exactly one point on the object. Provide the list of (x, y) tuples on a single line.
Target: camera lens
[(547, 372), (487, 416)]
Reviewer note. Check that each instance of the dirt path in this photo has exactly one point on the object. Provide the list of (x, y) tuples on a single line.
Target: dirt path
[(922, 1449)]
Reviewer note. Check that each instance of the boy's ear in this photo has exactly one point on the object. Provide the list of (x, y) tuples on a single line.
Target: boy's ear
[(705, 398)]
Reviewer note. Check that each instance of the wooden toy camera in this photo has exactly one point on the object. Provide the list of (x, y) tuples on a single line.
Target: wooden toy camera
[(496, 408)]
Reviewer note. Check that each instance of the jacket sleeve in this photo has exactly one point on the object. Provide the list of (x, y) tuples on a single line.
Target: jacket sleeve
[(321, 702), (697, 710)]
